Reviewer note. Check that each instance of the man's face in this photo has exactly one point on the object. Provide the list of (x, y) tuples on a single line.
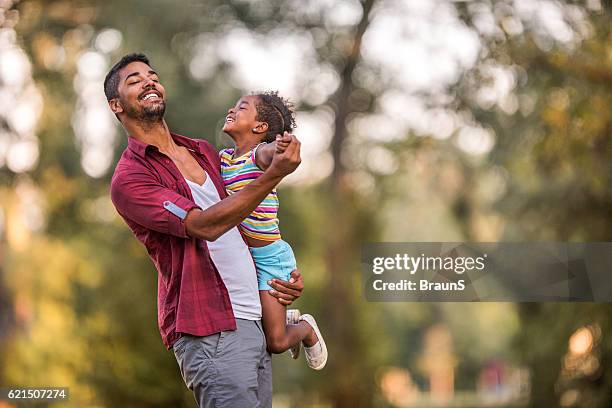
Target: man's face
[(141, 96)]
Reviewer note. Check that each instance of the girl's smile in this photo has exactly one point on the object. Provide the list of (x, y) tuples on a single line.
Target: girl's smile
[(242, 118)]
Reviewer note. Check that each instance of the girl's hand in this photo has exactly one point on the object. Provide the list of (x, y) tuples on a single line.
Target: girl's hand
[(286, 162), (265, 152), (282, 142)]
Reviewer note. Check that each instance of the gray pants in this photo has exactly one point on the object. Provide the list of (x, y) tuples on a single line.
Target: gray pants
[(227, 369)]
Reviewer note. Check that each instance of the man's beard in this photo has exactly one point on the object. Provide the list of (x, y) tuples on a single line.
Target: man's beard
[(148, 114), (154, 113)]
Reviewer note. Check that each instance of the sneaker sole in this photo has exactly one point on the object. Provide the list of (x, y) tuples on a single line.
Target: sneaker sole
[(293, 317), (311, 321)]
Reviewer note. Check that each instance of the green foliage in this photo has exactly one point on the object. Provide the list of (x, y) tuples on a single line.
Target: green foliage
[(81, 293)]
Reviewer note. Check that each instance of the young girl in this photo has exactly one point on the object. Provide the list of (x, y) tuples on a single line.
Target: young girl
[(254, 124)]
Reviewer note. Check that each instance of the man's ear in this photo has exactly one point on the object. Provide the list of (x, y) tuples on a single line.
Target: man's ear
[(261, 127), (115, 105)]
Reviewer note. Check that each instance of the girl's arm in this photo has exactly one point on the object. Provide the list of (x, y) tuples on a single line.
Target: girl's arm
[(216, 220), (265, 153)]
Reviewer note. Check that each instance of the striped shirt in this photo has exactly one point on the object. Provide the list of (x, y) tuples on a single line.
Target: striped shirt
[(237, 172)]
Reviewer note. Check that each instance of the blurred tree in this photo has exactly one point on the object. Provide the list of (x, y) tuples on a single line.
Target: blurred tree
[(75, 280), (351, 223), (554, 141)]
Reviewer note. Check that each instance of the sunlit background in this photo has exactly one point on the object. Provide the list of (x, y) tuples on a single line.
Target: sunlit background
[(420, 120)]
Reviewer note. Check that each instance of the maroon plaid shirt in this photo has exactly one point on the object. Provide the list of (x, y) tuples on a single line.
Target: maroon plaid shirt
[(151, 195)]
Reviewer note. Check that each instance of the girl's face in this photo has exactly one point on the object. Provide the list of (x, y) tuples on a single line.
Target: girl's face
[(242, 118)]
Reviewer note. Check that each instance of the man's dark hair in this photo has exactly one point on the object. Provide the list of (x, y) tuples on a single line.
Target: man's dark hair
[(277, 112), (111, 82)]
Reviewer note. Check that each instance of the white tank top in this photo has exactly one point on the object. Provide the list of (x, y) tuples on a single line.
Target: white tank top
[(232, 258)]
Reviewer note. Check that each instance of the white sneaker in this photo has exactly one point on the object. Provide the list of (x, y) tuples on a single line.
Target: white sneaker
[(293, 317), (316, 356)]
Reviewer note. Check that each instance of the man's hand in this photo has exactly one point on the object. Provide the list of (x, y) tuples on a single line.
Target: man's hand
[(287, 291), (216, 220), (286, 162)]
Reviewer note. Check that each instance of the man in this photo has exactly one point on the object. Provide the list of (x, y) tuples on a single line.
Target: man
[(208, 303)]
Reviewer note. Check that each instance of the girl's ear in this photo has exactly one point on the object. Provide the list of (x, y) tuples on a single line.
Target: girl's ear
[(261, 127), (115, 106)]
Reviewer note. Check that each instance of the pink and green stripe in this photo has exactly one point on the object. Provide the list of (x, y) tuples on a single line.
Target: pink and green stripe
[(238, 172)]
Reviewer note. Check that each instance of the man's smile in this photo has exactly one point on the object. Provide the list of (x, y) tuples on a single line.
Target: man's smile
[(150, 95)]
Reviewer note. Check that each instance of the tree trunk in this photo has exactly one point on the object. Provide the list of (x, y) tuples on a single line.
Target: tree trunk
[(352, 384)]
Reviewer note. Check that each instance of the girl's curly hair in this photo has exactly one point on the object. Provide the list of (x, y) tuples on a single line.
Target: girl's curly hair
[(277, 112)]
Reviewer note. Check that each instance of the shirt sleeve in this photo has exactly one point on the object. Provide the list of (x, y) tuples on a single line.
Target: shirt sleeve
[(141, 198)]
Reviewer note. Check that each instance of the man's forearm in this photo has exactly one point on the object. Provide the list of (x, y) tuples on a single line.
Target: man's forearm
[(217, 219)]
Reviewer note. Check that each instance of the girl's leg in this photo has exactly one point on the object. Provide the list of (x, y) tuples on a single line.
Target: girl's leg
[(280, 336)]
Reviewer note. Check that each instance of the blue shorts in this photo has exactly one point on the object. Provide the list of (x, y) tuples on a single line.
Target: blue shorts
[(275, 260)]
